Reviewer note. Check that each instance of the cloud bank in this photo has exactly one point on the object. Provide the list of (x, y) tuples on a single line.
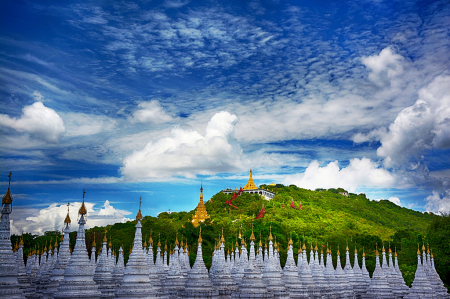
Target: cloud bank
[(359, 173), (38, 121), (187, 152), (52, 217)]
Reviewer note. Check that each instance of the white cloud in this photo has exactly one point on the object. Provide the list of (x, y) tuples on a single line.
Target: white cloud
[(38, 121), (424, 125), (384, 67), (360, 173), (82, 124), (52, 217), (150, 112), (438, 203), (187, 152)]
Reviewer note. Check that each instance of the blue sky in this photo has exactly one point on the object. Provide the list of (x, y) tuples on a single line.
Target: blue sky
[(153, 98)]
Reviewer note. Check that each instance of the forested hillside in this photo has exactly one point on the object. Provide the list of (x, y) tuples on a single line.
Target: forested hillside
[(325, 217)]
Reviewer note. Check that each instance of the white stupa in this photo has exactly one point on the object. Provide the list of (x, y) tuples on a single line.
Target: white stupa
[(136, 283), (78, 281), (10, 287)]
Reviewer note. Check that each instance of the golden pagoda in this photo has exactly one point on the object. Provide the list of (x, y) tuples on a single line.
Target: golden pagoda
[(250, 184), (200, 214)]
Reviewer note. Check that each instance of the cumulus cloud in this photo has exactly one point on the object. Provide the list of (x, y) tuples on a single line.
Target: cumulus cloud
[(424, 125), (38, 121), (52, 218), (359, 173), (384, 67), (438, 203), (187, 152), (82, 124), (150, 112)]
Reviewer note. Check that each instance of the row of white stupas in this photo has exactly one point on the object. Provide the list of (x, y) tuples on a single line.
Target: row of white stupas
[(61, 274)]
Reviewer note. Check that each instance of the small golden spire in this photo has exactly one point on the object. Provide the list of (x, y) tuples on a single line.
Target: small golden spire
[(260, 243), (67, 220), (181, 244), (93, 243), (270, 235), (237, 245), (431, 253), (21, 241), (356, 251), (252, 237), (145, 243), (304, 246), (139, 214), (159, 240), (315, 248), (423, 246), (390, 251), (265, 245), (396, 251), (418, 251), (364, 254), (290, 240), (150, 240), (56, 242), (176, 239), (222, 239), (276, 245), (109, 244), (347, 246), (428, 248), (383, 248), (7, 198), (165, 246), (338, 253), (200, 236), (104, 236), (376, 252), (83, 210)]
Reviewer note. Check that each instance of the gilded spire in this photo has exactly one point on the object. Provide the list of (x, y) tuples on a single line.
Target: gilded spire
[(270, 235), (67, 220), (315, 248), (150, 240), (21, 241), (83, 210), (200, 236), (276, 245), (356, 251), (104, 236), (250, 184), (364, 254), (201, 192), (290, 241), (252, 237), (376, 252), (423, 246), (383, 248), (7, 198), (304, 246), (418, 251), (222, 239), (165, 246), (159, 240), (347, 246), (139, 214), (390, 251), (200, 214), (338, 253), (428, 248), (396, 251), (260, 243), (176, 239)]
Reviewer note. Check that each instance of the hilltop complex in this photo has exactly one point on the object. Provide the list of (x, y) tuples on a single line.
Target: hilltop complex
[(251, 270), (251, 188)]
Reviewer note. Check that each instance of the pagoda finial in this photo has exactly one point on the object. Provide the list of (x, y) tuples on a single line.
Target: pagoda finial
[(376, 246), (270, 235), (290, 240), (364, 254), (67, 220), (252, 237), (159, 240), (176, 239), (418, 250), (93, 243), (82, 210), (139, 214), (10, 174), (338, 253), (7, 198), (200, 236), (104, 237)]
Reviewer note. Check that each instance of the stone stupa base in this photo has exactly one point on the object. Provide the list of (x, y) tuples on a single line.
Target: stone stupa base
[(77, 290), (198, 294), (11, 292)]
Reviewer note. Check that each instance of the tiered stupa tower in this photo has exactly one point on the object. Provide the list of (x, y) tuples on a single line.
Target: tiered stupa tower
[(9, 285), (198, 284), (200, 214), (57, 274), (136, 282), (78, 281), (103, 276), (379, 286), (252, 285)]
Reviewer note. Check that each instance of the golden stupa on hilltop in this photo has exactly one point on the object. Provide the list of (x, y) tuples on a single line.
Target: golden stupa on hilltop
[(250, 184), (200, 214)]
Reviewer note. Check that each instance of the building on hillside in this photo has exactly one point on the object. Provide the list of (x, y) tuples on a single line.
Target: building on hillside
[(200, 214), (251, 188)]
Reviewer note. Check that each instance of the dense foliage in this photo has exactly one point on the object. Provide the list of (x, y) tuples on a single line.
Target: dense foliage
[(325, 217)]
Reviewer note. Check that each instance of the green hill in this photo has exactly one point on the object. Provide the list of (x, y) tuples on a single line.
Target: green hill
[(326, 217)]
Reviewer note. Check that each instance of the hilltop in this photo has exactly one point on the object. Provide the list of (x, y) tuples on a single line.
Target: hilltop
[(326, 216)]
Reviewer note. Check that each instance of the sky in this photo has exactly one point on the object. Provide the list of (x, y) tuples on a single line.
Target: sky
[(153, 99)]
